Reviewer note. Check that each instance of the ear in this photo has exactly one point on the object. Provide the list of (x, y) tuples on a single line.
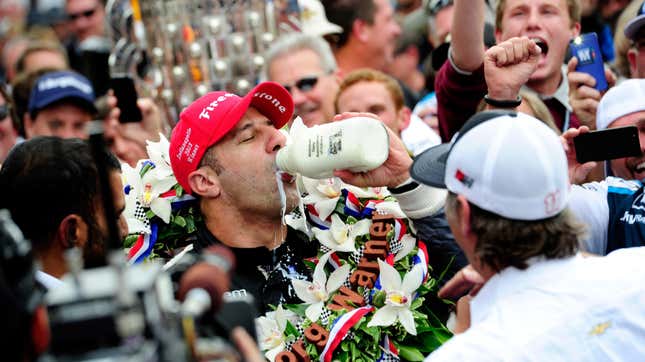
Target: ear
[(338, 76), (204, 182), (29, 125), (40, 334), (360, 30), (632, 55), (412, 51), (405, 115), (463, 214), (72, 231), (575, 30)]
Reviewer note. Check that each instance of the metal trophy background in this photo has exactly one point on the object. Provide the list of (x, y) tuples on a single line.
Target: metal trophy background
[(178, 50)]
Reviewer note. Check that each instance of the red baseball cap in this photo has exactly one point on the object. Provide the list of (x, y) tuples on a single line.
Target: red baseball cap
[(211, 117)]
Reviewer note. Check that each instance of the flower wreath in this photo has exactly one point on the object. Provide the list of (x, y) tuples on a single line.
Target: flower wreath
[(160, 217), (366, 300)]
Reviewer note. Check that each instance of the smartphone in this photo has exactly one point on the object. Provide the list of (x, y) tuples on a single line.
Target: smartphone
[(607, 144), (586, 48), (126, 95)]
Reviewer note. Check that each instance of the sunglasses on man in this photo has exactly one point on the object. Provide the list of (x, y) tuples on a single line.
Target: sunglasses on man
[(304, 84), (81, 14), (4, 111)]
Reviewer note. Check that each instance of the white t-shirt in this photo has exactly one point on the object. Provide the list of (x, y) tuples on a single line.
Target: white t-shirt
[(418, 136), (573, 309), (47, 280)]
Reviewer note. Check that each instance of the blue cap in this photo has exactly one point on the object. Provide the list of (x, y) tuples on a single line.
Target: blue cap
[(634, 25), (56, 86)]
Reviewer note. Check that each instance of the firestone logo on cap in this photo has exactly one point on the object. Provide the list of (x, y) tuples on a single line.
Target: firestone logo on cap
[(272, 100), (206, 111)]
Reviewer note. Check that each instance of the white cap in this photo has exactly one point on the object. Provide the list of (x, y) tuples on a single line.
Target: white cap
[(314, 20), (626, 98), (508, 163)]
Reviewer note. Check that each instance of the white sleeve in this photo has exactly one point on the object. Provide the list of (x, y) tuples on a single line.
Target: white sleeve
[(421, 201), (589, 205)]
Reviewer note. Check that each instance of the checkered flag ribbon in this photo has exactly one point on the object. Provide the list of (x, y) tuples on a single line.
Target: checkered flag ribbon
[(324, 249), (395, 246), (350, 336), (300, 329), (367, 296), (387, 357), (346, 283), (140, 214), (289, 344), (324, 316), (356, 256)]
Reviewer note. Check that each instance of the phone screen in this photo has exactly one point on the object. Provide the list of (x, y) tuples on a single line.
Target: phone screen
[(607, 144), (126, 95)]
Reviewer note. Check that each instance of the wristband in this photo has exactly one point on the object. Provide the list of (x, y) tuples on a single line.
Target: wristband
[(503, 103), (404, 187)]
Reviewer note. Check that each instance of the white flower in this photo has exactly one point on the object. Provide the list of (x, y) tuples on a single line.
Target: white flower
[(368, 192), (270, 329), (408, 242), (323, 194), (341, 236), (317, 292), (159, 153), (146, 190), (398, 297), (391, 207)]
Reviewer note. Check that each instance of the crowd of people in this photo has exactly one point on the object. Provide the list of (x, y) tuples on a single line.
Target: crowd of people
[(537, 255)]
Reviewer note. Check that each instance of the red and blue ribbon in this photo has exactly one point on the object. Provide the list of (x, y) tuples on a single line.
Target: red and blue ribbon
[(143, 246), (339, 330)]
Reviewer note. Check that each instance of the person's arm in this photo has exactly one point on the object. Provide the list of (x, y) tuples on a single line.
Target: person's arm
[(467, 33), (459, 83)]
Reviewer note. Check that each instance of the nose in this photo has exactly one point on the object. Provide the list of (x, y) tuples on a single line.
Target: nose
[(68, 132), (396, 29), (533, 20), (298, 96), (123, 227), (277, 140)]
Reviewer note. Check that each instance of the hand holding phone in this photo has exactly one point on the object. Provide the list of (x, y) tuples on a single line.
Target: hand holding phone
[(587, 50), (607, 144), (126, 95)]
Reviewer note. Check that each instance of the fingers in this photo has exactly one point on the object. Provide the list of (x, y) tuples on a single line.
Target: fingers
[(513, 51), (462, 314), (246, 345), (571, 66), (466, 279), (611, 77), (578, 79)]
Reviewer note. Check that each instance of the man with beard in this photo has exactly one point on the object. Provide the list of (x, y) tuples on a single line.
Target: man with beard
[(51, 188), (460, 83), (223, 152)]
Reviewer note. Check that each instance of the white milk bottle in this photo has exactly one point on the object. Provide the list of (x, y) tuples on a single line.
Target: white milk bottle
[(357, 144)]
